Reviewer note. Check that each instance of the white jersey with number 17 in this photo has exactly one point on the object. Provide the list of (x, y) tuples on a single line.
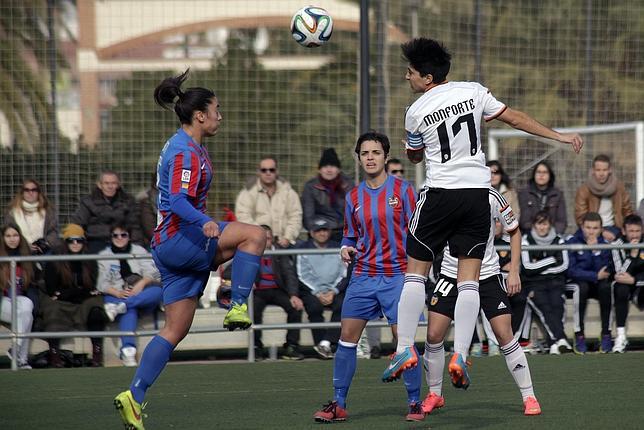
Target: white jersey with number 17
[(445, 122)]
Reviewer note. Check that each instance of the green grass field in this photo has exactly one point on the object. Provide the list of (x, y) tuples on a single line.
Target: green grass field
[(590, 392)]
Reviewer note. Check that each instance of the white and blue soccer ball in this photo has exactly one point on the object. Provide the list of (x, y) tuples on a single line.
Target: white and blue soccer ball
[(311, 26)]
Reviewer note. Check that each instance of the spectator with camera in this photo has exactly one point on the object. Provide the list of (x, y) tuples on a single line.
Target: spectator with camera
[(544, 279), (629, 274), (31, 210), (130, 286), (71, 300), (604, 194), (589, 272)]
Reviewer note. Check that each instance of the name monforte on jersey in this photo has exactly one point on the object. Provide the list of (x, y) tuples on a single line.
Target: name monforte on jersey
[(444, 113)]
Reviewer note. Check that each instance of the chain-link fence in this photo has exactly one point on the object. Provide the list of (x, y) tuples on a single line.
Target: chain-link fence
[(78, 76)]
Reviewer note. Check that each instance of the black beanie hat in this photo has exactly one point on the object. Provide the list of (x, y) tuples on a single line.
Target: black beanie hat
[(329, 158)]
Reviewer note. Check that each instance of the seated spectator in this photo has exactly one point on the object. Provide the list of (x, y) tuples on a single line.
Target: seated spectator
[(71, 301), (394, 167), (276, 284), (590, 272), (270, 200), (541, 195), (605, 194), (14, 244), (130, 287), (107, 204), (629, 272), (500, 181), (31, 211), (322, 282), (147, 201), (544, 278), (323, 196)]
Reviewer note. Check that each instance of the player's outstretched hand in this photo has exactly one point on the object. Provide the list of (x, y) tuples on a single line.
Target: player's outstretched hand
[(347, 254), (211, 229), (573, 139)]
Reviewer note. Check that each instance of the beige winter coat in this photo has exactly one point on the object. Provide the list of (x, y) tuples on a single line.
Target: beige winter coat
[(282, 212)]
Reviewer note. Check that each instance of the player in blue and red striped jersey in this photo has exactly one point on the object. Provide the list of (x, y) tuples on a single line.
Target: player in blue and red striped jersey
[(187, 244), (375, 232)]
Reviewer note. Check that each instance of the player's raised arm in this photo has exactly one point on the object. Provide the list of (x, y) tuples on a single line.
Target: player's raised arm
[(523, 121)]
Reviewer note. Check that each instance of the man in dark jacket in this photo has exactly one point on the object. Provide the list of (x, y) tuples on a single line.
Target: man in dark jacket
[(323, 196), (106, 205), (590, 272), (629, 275), (276, 284)]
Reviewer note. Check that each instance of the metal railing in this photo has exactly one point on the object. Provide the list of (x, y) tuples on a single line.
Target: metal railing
[(13, 261)]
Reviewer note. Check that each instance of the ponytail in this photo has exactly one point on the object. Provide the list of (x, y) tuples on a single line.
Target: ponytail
[(193, 99), (170, 89)]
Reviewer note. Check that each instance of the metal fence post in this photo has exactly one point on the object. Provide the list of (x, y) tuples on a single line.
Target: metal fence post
[(14, 316), (251, 331)]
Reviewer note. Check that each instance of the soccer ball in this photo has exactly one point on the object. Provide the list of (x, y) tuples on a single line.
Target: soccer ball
[(311, 26)]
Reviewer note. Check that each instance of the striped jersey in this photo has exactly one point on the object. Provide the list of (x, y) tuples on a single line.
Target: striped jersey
[(184, 167), (375, 223), (445, 122), (499, 210), (624, 262), (266, 275)]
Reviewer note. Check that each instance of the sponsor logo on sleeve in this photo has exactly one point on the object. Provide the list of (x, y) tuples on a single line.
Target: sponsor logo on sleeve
[(185, 178)]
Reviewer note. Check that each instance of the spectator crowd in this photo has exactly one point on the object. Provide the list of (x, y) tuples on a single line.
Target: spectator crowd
[(88, 295)]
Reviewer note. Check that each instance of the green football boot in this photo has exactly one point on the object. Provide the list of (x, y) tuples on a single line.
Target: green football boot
[(130, 410), (237, 317)]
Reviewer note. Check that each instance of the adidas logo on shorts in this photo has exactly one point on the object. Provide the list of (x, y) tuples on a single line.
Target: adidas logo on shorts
[(501, 306)]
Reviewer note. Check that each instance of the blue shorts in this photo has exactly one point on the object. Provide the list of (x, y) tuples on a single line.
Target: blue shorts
[(185, 262), (370, 297)]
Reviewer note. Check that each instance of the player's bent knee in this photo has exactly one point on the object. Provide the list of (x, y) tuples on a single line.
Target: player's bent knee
[(435, 337), (256, 235)]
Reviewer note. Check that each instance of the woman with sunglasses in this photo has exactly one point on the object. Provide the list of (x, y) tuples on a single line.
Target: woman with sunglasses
[(31, 211), (130, 286), (14, 244), (72, 301)]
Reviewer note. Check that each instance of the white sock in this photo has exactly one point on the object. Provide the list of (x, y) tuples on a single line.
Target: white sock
[(518, 367), (410, 306), (466, 311), (434, 364), (621, 331)]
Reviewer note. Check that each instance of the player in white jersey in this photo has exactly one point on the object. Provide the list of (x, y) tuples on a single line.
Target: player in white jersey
[(495, 305), (443, 125)]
